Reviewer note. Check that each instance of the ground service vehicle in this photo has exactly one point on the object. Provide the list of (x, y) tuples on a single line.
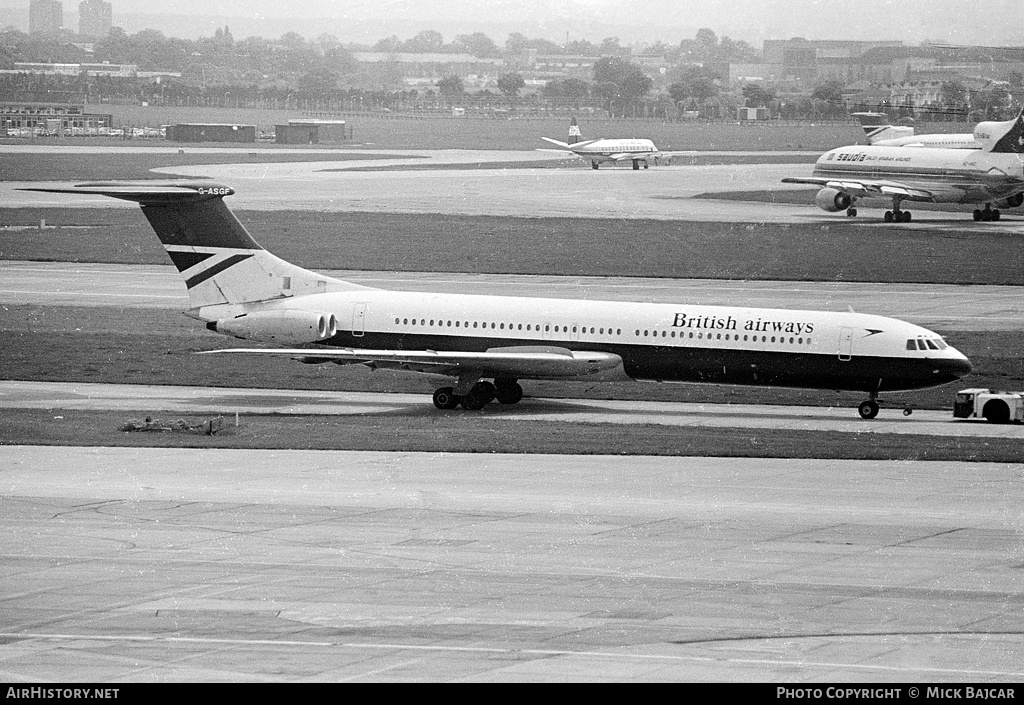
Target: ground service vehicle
[(995, 407)]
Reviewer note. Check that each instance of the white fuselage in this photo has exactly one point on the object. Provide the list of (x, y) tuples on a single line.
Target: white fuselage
[(952, 175), (614, 150), (668, 342), (936, 141)]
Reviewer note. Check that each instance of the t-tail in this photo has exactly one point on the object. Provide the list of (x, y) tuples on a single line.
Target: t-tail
[(214, 253), (878, 127)]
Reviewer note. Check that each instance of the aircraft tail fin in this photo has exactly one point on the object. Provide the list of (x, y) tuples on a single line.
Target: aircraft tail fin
[(1001, 137), (212, 250), (878, 127), (574, 132)]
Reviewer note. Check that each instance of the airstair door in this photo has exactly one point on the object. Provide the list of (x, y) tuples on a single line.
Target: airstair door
[(358, 320), (846, 344)]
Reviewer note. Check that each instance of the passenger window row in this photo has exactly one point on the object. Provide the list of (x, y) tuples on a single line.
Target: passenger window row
[(593, 330), (478, 325), (793, 340)]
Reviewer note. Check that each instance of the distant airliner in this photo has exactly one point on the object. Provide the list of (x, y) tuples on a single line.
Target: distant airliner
[(490, 343), (615, 151), (881, 133), (993, 174)]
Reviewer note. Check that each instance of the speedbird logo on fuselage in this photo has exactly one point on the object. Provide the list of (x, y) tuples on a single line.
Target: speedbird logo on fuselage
[(760, 325)]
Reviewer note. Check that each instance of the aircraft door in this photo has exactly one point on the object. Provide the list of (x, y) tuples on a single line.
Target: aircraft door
[(846, 344), (358, 319)]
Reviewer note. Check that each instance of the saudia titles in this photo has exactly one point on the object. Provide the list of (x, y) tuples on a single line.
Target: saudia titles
[(730, 323)]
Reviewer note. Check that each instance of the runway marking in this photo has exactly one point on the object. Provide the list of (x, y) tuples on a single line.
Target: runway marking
[(520, 652)]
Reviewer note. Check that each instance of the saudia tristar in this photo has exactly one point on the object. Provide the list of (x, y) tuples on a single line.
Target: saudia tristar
[(490, 343), (992, 175)]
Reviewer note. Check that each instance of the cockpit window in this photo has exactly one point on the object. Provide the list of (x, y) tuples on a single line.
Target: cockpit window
[(911, 345), (942, 344), (932, 345)]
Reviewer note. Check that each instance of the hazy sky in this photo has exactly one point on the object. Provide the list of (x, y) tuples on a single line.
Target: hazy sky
[(985, 22)]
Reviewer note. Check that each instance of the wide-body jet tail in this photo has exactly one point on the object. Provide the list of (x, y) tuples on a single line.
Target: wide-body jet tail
[(216, 256), (1001, 137)]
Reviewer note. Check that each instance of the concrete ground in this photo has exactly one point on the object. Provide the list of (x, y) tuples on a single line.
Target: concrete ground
[(123, 565)]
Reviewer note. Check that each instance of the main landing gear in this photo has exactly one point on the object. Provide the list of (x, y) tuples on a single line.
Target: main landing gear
[(594, 164), (479, 395), (896, 215), (636, 165), (989, 214)]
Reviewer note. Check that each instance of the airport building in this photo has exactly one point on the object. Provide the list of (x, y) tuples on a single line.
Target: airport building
[(311, 131), (94, 18), (36, 119), (211, 132), (45, 17)]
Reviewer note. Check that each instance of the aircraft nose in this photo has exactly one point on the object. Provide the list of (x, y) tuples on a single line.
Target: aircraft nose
[(953, 368)]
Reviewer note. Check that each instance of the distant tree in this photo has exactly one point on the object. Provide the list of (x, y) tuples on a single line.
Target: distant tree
[(516, 44), (621, 83), (581, 47), (953, 94), (831, 92), (695, 85), (451, 87), (568, 88), (478, 44), (610, 47), (706, 45), (318, 82), (388, 45), (427, 41), (757, 96), (510, 84), (994, 101)]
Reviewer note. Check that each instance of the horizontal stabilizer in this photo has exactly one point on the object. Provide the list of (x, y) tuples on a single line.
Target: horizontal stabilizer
[(563, 145), (147, 193)]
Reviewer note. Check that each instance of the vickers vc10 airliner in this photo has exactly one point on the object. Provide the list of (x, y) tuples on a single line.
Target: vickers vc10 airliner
[(490, 343), (990, 175)]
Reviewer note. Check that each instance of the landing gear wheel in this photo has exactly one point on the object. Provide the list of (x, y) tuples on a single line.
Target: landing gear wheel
[(851, 212), (996, 214), (509, 393), (868, 409), (908, 412), (888, 217), (978, 215), (445, 398), (636, 165), (593, 165), (479, 396), (907, 217)]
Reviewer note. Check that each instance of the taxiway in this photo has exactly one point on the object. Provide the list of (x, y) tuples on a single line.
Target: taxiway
[(210, 565)]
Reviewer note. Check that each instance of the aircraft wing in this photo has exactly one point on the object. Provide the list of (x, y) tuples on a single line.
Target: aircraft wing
[(871, 187), (521, 362)]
